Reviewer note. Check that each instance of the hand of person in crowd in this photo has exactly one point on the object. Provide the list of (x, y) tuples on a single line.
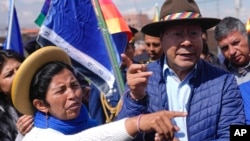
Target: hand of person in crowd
[(137, 78), (126, 61), (160, 122), (24, 124)]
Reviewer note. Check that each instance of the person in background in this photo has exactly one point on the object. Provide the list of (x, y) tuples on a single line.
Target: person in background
[(153, 47), (129, 51), (205, 51), (10, 61), (31, 45), (140, 47), (181, 81), (210, 57), (153, 50), (231, 36), (207, 55), (49, 89)]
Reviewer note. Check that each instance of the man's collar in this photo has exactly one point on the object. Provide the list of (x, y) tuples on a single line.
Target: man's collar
[(240, 70)]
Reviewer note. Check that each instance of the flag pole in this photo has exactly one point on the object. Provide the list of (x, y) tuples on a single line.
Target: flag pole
[(11, 6), (156, 16), (109, 46)]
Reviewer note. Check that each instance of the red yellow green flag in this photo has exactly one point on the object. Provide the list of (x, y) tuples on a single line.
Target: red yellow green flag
[(114, 19)]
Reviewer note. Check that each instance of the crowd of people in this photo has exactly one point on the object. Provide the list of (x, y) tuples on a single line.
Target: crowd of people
[(175, 88)]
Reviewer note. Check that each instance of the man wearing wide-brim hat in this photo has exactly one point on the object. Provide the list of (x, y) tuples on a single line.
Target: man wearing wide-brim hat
[(181, 81)]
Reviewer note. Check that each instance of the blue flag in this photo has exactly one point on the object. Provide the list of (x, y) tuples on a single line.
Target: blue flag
[(46, 5), (72, 25), (14, 38)]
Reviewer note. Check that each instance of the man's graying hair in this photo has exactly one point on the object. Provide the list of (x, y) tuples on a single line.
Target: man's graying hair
[(227, 25)]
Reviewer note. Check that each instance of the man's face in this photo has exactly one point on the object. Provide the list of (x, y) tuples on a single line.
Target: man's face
[(235, 48), (182, 44), (153, 47)]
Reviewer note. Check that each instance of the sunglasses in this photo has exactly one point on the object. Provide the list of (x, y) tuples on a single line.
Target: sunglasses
[(153, 44)]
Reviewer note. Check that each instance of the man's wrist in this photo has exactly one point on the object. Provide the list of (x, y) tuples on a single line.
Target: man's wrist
[(141, 98)]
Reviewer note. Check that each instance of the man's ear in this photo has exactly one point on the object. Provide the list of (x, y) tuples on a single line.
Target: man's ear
[(40, 105)]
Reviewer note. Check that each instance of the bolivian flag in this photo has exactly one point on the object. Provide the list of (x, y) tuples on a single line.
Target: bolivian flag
[(113, 18)]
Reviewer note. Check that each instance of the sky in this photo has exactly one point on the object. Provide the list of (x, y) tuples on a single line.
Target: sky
[(28, 10)]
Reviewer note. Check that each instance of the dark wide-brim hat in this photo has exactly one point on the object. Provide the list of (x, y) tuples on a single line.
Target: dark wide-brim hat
[(134, 31), (178, 10), (20, 89)]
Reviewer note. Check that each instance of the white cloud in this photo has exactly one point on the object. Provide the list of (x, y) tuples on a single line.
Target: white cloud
[(31, 1), (4, 6), (27, 14)]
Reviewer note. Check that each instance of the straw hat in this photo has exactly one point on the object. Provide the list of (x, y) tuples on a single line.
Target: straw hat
[(22, 80), (179, 10)]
